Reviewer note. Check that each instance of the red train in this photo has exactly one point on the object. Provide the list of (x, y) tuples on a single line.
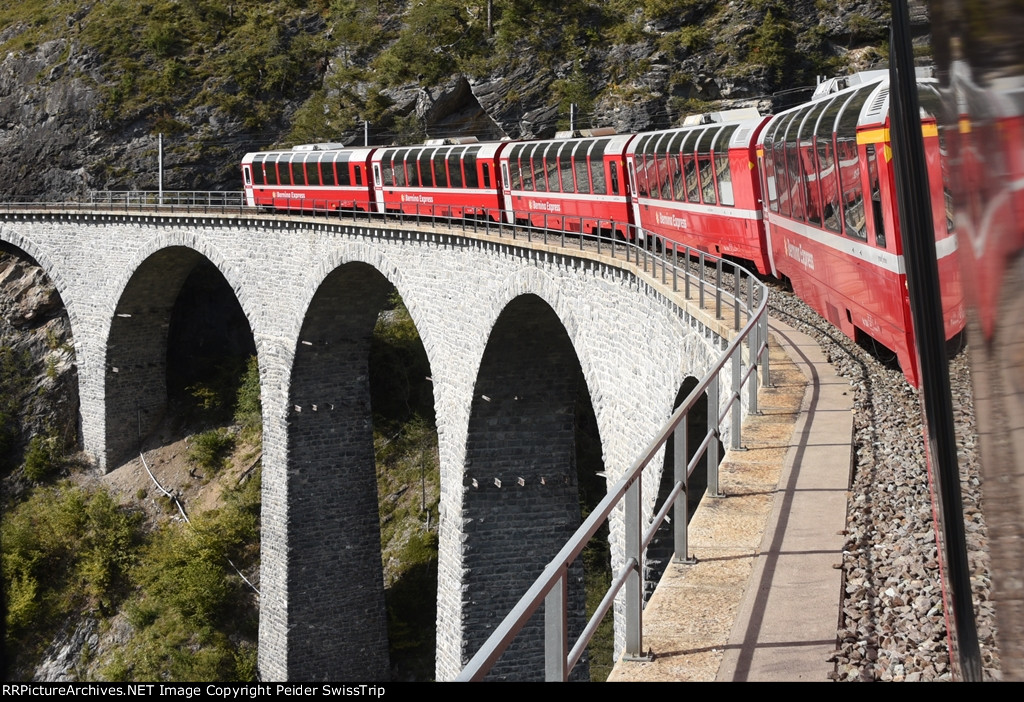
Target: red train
[(806, 195)]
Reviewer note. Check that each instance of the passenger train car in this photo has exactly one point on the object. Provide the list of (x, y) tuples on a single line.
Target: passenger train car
[(694, 185), (831, 221), (806, 195)]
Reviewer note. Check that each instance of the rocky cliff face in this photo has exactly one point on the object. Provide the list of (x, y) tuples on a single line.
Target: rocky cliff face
[(39, 383), (62, 134)]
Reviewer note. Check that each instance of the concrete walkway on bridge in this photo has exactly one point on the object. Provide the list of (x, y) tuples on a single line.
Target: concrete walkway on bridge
[(762, 601)]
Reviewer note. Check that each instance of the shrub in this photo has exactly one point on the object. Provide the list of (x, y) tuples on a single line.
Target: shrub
[(210, 449)]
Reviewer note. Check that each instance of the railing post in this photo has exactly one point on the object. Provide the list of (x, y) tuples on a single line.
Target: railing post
[(737, 401), (556, 625), (681, 509), (753, 344), (634, 584), (700, 280), (718, 288), (765, 375), (737, 297), (712, 452), (675, 268)]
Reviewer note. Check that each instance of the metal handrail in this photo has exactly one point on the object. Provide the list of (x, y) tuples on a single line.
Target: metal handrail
[(611, 239)]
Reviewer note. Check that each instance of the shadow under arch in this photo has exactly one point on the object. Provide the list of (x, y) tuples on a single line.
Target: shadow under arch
[(175, 316), (662, 548), (521, 496)]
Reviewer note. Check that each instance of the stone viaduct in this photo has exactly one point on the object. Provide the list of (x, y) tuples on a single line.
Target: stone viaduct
[(508, 328)]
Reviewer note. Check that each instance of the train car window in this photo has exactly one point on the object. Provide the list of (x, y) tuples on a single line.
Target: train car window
[(551, 167), (597, 167), (690, 175), (794, 174), (828, 175), (299, 169), (874, 203), (565, 171), (579, 159), (722, 171), (426, 168), (640, 166), (487, 174), (387, 170), (327, 169), (313, 169), (809, 165), (540, 183), (440, 170), (779, 155), (412, 172), (676, 167), (284, 169), (258, 176), (526, 164), (469, 170), (664, 166), (455, 167), (848, 159), (397, 160), (707, 180), (358, 174), (613, 172)]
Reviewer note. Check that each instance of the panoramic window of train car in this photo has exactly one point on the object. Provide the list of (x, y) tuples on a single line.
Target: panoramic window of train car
[(641, 166), (565, 169), (723, 174), (779, 160), (650, 166), (551, 167), (423, 160), (655, 166), (809, 162), (284, 170), (794, 174), (854, 223), (665, 159), (678, 183), (439, 159), (258, 176), (690, 168), (455, 166), (397, 159), (412, 170), (597, 172), (327, 169), (827, 165), (579, 161), (707, 177), (526, 165), (540, 183), (469, 167)]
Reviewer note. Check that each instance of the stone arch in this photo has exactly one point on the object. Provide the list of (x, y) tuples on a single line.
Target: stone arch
[(135, 364), (520, 500), (337, 623), (54, 272), (38, 323)]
